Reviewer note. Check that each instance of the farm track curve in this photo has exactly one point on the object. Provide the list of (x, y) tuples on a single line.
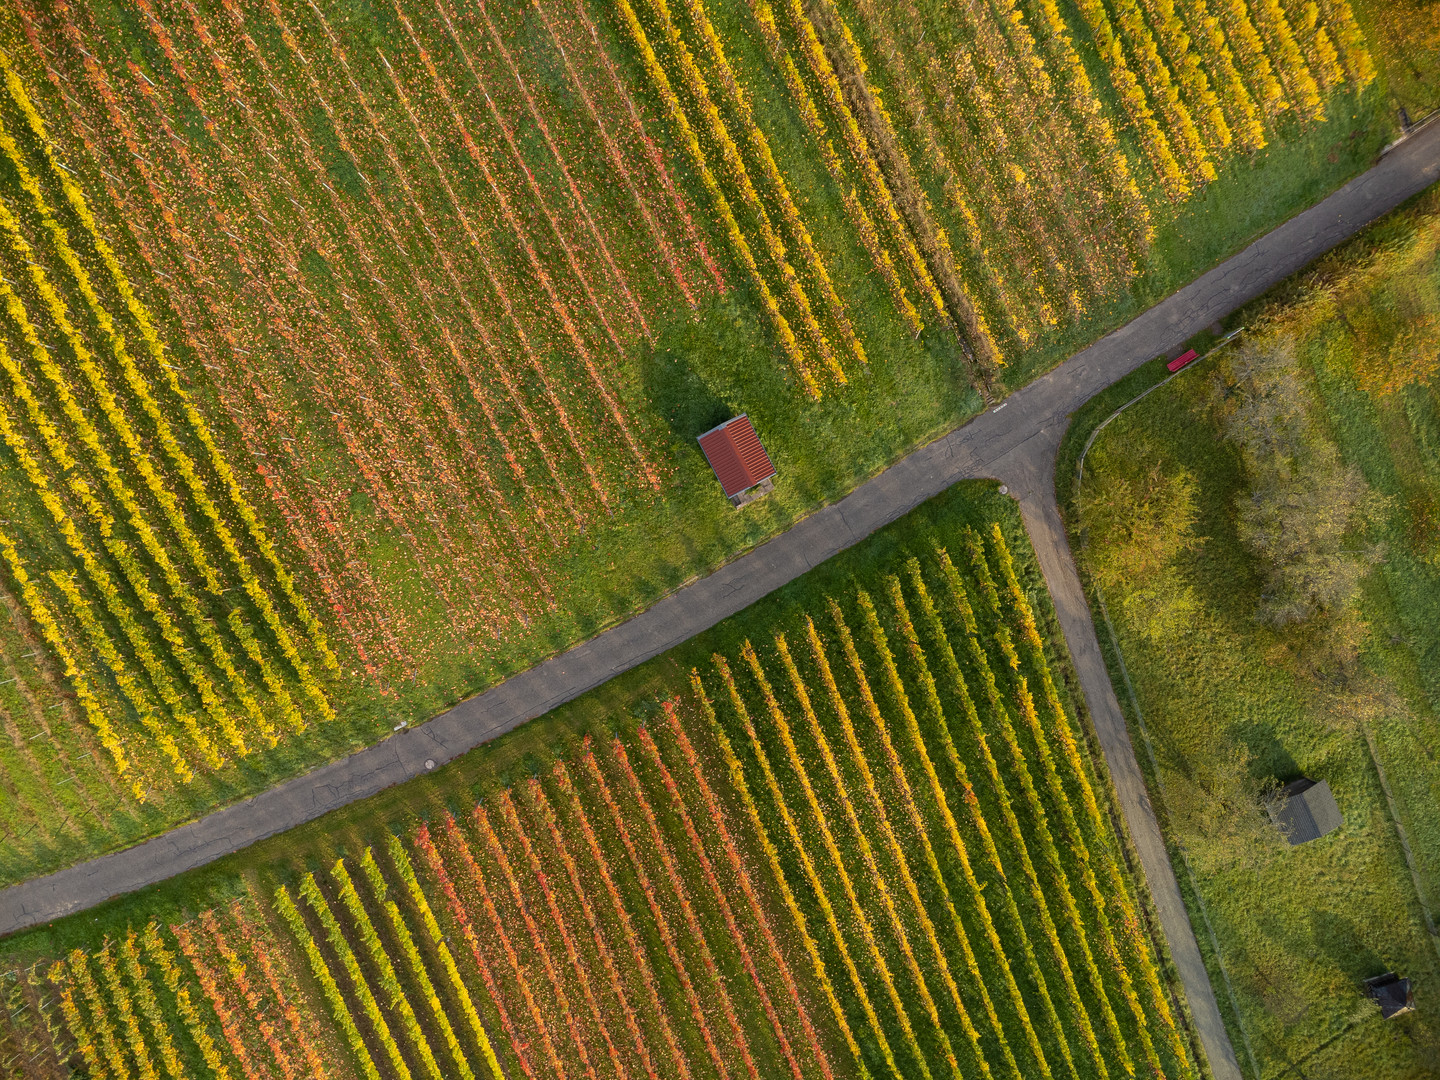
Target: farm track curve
[(1015, 442)]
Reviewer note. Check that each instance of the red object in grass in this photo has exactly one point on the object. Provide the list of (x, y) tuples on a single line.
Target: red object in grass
[(1181, 360), (734, 452)]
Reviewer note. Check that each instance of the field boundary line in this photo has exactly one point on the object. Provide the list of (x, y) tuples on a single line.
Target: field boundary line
[(1404, 840)]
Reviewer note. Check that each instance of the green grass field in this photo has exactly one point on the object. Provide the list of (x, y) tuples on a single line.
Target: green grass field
[(1230, 702), (853, 831)]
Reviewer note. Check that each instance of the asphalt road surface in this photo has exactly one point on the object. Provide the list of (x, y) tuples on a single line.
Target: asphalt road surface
[(1015, 442)]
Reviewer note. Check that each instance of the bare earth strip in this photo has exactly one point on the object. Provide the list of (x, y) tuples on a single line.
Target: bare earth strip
[(1015, 442)]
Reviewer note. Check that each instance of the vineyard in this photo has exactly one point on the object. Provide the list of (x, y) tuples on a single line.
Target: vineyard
[(866, 840), (330, 336)]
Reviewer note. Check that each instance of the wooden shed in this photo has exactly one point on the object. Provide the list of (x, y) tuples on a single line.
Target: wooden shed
[(1305, 810), (740, 462)]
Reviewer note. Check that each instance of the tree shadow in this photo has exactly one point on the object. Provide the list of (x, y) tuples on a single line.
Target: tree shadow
[(1345, 943), (1269, 756), (688, 405)]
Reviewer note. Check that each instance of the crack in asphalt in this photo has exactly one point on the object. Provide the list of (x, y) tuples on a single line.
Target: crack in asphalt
[(1016, 445)]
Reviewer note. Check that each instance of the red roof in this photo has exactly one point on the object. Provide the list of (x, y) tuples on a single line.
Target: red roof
[(734, 452)]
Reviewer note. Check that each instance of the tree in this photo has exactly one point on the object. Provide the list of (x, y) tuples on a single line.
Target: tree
[(1304, 512), (1218, 804), (1136, 525)]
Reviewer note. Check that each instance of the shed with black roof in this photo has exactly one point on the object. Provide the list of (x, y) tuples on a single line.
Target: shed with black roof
[(1305, 810)]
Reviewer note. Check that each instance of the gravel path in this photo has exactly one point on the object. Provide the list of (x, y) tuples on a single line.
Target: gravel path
[(1015, 442)]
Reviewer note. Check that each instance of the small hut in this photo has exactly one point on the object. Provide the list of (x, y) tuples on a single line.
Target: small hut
[(741, 464), (1392, 993), (1305, 810)]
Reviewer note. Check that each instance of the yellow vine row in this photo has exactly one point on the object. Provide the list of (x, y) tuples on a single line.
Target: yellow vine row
[(1350, 40), (653, 68), (75, 1021), (120, 1001), (170, 975), (1189, 72), (772, 856), (827, 838), (130, 687), (1162, 88), (977, 818), (156, 348), (401, 858), (1052, 28), (1001, 716), (114, 1056), (824, 73), (1118, 893), (933, 237), (760, 148), (1062, 891), (1274, 26), (897, 854), (1320, 52), (399, 1003), (149, 1007), (1152, 137), (852, 656), (118, 549), (290, 914), (381, 890), (917, 655), (310, 890), (1235, 98), (1250, 56), (854, 207), (50, 630), (740, 176), (742, 874), (116, 417), (867, 856)]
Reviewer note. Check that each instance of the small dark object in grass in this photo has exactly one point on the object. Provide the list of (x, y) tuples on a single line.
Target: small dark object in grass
[(1394, 995)]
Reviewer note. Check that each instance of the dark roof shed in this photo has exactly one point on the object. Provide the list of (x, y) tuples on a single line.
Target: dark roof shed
[(1305, 810), (1394, 995)]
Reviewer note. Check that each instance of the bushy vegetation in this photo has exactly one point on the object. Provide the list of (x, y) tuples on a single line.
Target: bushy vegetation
[(1280, 485)]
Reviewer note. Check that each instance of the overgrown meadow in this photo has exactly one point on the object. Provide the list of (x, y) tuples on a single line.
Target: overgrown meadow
[(1279, 500)]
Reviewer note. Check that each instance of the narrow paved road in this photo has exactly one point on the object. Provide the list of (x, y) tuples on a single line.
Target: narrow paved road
[(1015, 442)]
